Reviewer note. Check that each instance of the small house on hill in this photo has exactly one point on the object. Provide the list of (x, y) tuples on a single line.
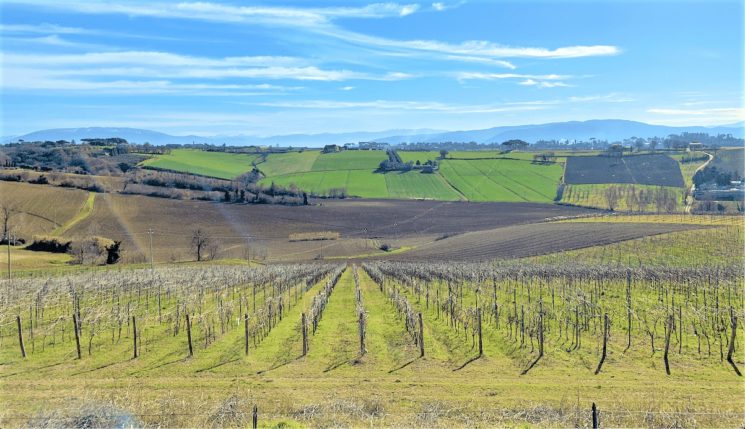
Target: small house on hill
[(331, 148)]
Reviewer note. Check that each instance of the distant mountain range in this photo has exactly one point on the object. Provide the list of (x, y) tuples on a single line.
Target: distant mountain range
[(601, 129)]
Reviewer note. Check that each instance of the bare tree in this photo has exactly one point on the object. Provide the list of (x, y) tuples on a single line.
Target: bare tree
[(199, 242), (611, 197)]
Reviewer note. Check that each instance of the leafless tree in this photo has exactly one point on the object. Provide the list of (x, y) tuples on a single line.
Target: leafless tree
[(611, 197), (199, 242)]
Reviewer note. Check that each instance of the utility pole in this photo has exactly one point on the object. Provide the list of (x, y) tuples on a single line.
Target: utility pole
[(150, 233)]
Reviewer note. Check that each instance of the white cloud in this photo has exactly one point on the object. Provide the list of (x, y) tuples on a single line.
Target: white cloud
[(438, 6), (163, 65), (542, 83)]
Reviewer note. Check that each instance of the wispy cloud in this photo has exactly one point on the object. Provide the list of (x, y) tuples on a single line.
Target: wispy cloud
[(163, 65), (719, 115), (540, 81), (321, 21)]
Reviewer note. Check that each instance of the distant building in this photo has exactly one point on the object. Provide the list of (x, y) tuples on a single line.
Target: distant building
[(373, 146), (331, 148), (735, 191), (351, 146), (694, 146)]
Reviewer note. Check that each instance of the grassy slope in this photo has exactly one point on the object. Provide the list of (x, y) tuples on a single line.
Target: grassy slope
[(213, 164)]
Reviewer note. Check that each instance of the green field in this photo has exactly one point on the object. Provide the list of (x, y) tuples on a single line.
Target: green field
[(213, 164), (279, 164), (464, 175), (502, 180), (350, 160)]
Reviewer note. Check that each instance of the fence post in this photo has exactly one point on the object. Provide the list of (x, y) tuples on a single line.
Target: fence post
[(77, 334), (20, 337), (421, 336), (188, 335), (255, 417), (134, 331), (595, 420), (245, 329)]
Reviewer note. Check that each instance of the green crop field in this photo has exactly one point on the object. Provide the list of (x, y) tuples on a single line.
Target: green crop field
[(502, 180), (213, 164), (279, 164), (414, 184), (349, 160)]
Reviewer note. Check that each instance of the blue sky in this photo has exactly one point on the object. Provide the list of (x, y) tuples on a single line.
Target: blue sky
[(272, 68)]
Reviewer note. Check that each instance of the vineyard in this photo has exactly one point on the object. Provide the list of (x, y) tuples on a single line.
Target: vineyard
[(436, 344)]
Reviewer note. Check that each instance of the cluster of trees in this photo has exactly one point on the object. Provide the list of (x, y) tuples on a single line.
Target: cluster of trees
[(72, 158), (395, 163), (671, 142), (662, 199), (93, 250), (711, 174)]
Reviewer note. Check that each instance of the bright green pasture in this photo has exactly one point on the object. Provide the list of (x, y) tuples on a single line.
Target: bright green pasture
[(349, 160), (502, 180), (278, 164), (414, 184), (214, 164)]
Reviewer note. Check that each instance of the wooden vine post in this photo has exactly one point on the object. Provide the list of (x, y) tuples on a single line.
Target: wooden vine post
[(77, 334), (188, 335), (245, 333), (731, 350), (134, 336), (606, 329), (481, 343), (668, 332), (421, 336), (362, 328), (304, 329), (20, 337)]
